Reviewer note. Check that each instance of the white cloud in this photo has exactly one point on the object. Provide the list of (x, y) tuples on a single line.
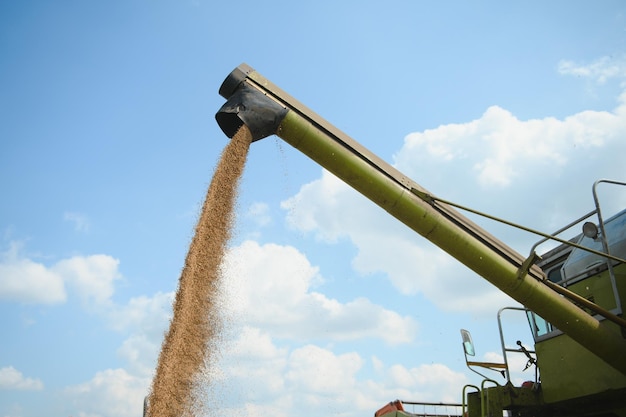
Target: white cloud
[(498, 148), (308, 378), (26, 281), (113, 392), (146, 319), (110, 393), (92, 277), (253, 343), (117, 392), (144, 312), (12, 379), (429, 382), (600, 70), (537, 173), (270, 286), (315, 380), (259, 213), (81, 222), (316, 370), (252, 367)]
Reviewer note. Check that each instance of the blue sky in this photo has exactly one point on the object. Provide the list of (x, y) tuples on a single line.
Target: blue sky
[(108, 143)]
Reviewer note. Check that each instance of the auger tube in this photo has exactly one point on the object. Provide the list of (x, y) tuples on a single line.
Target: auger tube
[(247, 93)]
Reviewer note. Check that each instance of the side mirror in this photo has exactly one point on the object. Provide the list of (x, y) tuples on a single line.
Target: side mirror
[(468, 345)]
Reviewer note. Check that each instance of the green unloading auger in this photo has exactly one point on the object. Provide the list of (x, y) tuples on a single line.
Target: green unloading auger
[(266, 110)]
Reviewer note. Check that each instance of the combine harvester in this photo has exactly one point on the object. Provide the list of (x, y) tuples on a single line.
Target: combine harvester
[(572, 295)]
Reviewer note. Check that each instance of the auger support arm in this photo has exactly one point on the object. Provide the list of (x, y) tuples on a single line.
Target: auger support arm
[(266, 110)]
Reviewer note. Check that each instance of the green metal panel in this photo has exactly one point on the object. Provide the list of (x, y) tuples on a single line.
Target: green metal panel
[(568, 370), (599, 289), (492, 401)]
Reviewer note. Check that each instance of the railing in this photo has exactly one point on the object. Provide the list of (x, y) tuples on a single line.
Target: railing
[(426, 409)]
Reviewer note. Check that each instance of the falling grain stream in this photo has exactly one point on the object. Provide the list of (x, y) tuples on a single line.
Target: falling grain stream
[(196, 321)]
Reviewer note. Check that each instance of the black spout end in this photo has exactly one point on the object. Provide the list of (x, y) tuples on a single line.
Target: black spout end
[(228, 120), (231, 83), (247, 104)]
